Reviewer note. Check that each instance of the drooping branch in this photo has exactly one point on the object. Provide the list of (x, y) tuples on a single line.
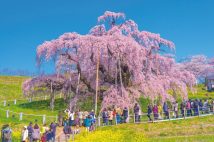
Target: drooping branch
[(141, 66)]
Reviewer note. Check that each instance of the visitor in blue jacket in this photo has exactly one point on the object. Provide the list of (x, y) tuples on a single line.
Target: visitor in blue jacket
[(87, 123)]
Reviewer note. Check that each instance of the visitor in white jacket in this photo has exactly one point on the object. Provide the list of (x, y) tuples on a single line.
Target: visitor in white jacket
[(24, 134)]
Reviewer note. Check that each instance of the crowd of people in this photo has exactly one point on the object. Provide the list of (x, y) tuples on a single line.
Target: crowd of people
[(118, 115), (78, 119), (192, 107), (72, 121), (33, 133), (186, 108)]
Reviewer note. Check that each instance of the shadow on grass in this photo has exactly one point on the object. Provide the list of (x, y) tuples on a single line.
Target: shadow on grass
[(44, 105)]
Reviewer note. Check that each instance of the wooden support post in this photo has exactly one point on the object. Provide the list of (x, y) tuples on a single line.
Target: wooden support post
[(5, 102), (97, 79), (44, 119), (98, 120), (7, 113), (21, 116)]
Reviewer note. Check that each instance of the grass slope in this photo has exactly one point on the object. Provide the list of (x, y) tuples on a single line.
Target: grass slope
[(10, 88), (190, 130)]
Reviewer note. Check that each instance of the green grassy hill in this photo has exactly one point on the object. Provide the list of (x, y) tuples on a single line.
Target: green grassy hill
[(10, 89)]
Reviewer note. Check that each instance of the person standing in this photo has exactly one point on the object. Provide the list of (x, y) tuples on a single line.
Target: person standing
[(71, 118), (80, 116), (105, 116), (188, 108), (200, 105), (160, 110), (85, 115), (24, 134), (92, 114), (60, 118), (149, 111), (87, 123), (66, 118), (182, 107), (166, 110), (67, 131), (125, 114), (137, 112), (196, 111), (155, 112), (53, 130), (6, 133), (110, 116), (176, 109), (114, 114), (30, 132), (36, 133)]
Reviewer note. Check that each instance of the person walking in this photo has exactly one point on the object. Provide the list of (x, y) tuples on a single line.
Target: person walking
[(149, 111), (87, 123), (125, 114), (24, 134), (53, 127), (80, 116), (155, 112), (6, 133), (85, 115), (110, 116), (60, 118), (71, 118), (188, 108), (105, 116), (196, 108), (67, 131), (200, 105), (166, 110), (30, 132), (176, 109), (160, 110), (182, 106), (49, 136), (137, 112), (36, 133)]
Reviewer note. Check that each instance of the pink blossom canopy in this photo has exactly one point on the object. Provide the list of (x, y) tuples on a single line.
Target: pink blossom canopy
[(131, 62)]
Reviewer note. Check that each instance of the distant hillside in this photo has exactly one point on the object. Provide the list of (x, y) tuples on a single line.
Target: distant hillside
[(10, 87), (11, 72)]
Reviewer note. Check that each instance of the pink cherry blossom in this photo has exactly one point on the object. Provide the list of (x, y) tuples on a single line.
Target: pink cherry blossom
[(131, 64)]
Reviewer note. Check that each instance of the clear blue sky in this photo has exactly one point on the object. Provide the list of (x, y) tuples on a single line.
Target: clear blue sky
[(24, 24)]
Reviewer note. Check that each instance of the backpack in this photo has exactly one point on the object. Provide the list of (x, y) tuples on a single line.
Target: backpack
[(7, 134)]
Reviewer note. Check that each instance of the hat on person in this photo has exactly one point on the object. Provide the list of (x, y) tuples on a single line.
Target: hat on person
[(25, 127), (46, 129)]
